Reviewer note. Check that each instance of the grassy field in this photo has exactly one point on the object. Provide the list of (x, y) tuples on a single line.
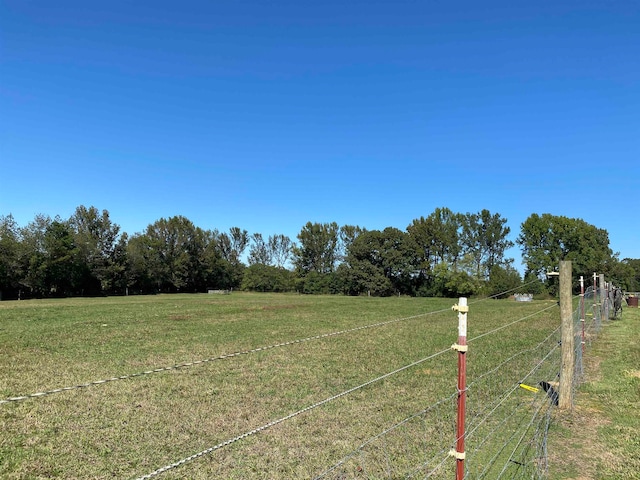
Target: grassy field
[(600, 439), (128, 428)]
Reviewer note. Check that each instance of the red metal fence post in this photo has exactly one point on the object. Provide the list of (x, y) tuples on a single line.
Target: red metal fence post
[(595, 299), (461, 347)]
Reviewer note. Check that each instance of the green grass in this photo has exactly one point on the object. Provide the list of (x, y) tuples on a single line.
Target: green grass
[(600, 439), (128, 428)]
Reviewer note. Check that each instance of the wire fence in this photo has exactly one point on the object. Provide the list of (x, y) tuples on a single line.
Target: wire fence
[(507, 427), (509, 407)]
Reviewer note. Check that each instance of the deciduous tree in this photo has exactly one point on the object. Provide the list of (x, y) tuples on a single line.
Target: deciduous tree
[(484, 237), (10, 268), (547, 239), (317, 251), (96, 237), (436, 238)]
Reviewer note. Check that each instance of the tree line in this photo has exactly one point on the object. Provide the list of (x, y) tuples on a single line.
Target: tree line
[(442, 254)]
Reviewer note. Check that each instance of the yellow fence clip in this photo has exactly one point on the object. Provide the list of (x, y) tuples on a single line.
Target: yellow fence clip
[(457, 455), (461, 309), (530, 388), (460, 348)]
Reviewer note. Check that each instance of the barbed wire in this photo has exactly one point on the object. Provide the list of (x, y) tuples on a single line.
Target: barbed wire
[(436, 468), (520, 440), (288, 417), (513, 357), (510, 392), (526, 446), (420, 469), (384, 432), (502, 327), (506, 424), (213, 359)]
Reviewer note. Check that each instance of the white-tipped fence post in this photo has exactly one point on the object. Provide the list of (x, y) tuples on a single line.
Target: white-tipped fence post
[(565, 400), (595, 300), (461, 347)]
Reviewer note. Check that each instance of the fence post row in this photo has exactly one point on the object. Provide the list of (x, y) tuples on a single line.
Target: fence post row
[(461, 347)]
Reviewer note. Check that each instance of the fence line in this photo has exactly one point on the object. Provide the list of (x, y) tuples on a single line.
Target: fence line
[(515, 451), (384, 432), (520, 423), (291, 415), (435, 462), (502, 327), (513, 389), (330, 399), (521, 352)]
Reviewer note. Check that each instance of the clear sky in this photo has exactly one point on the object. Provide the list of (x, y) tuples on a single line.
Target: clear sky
[(268, 114)]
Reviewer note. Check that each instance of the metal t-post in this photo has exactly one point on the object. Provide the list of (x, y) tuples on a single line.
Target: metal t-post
[(461, 347)]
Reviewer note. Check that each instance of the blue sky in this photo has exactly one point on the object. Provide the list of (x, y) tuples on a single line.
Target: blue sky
[(266, 115)]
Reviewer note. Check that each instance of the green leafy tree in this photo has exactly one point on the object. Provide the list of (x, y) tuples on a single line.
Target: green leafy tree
[(359, 277), (259, 252), (231, 246), (169, 255), (32, 255), (318, 283), (10, 268), (547, 239), (375, 254), (96, 237), (267, 278), (217, 271), (625, 273), (346, 236), (317, 251), (503, 281), (280, 249), (484, 238), (451, 282), (533, 284), (437, 238), (62, 273), (119, 275)]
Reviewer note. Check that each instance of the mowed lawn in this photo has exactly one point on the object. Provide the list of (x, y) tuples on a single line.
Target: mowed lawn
[(131, 427)]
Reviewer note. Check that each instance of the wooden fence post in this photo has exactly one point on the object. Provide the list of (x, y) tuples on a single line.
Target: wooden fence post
[(565, 394)]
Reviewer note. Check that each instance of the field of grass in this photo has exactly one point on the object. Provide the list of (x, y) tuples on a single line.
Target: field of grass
[(131, 427), (600, 438)]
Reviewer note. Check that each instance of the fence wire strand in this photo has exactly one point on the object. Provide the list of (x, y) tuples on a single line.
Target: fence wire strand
[(431, 466), (288, 417)]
